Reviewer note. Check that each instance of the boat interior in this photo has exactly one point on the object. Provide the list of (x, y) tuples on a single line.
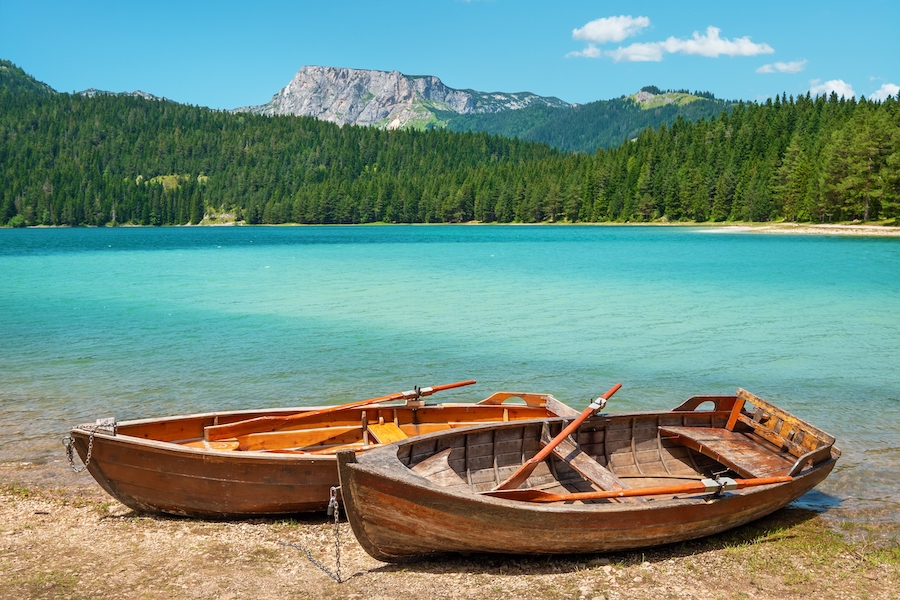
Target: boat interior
[(325, 431), (706, 437)]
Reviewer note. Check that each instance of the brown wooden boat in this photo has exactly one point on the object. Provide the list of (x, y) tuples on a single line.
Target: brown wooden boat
[(620, 481), (268, 462)]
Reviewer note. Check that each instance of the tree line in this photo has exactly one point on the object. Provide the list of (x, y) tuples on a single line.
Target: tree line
[(73, 160)]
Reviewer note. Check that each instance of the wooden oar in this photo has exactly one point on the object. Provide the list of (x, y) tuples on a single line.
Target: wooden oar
[(522, 473), (707, 485), (263, 424)]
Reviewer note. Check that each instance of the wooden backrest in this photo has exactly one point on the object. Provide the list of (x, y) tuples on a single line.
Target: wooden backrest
[(779, 427)]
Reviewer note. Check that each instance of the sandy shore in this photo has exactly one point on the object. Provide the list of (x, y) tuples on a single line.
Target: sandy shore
[(56, 545), (811, 229)]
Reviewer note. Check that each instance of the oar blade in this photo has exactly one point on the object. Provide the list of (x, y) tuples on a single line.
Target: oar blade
[(526, 495), (517, 478)]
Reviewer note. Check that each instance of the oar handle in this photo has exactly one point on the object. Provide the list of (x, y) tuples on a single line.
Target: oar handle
[(263, 424), (427, 391), (522, 473)]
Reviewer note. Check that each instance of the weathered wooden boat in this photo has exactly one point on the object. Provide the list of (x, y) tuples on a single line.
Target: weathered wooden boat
[(620, 481), (268, 462)]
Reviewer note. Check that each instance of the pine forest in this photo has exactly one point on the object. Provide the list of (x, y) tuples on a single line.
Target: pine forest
[(70, 159)]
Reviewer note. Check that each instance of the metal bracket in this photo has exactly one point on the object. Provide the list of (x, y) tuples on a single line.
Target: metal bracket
[(719, 485), (414, 396), (598, 404)]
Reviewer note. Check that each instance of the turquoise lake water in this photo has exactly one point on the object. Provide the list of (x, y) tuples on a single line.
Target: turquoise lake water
[(138, 322)]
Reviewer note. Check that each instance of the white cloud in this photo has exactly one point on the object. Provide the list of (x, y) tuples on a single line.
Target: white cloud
[(712, 45), (611, 29), (838, 86), (783, 67), (709, 44), (652, 52), (590, 52), (887, 89)]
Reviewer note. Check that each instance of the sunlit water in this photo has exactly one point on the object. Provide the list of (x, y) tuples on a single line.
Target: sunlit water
[(151, 322)]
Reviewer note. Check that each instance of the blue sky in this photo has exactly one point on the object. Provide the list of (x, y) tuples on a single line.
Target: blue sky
[(228, 54)]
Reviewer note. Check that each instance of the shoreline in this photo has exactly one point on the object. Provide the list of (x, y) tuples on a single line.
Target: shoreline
[(57, 544), (784, 228), (813, 229)]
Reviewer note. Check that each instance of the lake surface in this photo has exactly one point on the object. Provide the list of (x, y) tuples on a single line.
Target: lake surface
[(136, 322)]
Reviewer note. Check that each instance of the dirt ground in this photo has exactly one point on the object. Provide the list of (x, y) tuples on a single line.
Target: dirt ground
[(56, 545)]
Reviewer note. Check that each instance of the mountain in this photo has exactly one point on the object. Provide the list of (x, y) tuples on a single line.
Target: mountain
[(91, 92), (392, 100), (386, 99), (14, 79), (600, 124)]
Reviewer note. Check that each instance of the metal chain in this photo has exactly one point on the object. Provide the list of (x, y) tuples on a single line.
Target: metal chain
[(69, 442), (333, 508)]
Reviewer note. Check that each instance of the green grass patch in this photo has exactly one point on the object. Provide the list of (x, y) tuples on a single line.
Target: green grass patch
[(17, 489)]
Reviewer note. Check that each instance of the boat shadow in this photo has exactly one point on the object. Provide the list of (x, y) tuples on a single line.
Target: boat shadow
[(312, 518), (761, 531)]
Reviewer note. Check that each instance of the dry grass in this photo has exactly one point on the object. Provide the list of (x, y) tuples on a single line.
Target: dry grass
[(54, 546)]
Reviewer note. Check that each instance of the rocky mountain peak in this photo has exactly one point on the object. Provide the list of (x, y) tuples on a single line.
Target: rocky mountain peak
[(386, 99)]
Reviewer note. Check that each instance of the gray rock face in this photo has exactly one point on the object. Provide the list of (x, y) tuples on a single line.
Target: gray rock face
[(381, 98), (91, 92)]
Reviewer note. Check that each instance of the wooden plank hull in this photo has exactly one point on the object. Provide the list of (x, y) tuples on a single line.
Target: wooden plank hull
[(164, 466), (158, 477), (400, 511)]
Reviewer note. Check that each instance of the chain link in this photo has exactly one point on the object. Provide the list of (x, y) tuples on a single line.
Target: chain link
[(333, 508), (337, 529), (109, 425)]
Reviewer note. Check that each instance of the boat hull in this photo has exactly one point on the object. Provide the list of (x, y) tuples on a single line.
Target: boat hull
[(147, 466), (400, 509), (156, 477), (456, 523)]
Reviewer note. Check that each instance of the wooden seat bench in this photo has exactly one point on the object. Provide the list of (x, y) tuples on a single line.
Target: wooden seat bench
[(386, 433), (735, 450)]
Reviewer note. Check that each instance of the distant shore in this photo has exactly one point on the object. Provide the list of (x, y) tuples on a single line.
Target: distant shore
[(846, 229)]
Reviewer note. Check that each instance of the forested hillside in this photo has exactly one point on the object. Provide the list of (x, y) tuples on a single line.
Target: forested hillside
[(74, 160), (587, 127), (71, 160), (14, 79)]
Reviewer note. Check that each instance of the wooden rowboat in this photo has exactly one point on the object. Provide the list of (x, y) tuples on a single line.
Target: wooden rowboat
[(621, 481), (267, 462)]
